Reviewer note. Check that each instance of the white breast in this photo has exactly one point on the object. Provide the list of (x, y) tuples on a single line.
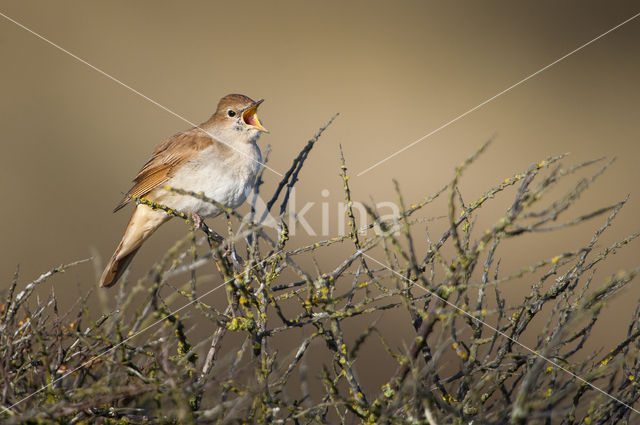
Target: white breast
[(227, 181)]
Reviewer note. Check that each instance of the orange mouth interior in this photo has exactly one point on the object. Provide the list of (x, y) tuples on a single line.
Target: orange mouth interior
[(250, 117)]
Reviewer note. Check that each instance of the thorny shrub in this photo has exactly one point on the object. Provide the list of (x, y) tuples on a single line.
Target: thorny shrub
[(137, 364)]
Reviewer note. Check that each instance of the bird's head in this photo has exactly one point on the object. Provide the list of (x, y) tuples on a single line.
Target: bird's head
[(236, 115)]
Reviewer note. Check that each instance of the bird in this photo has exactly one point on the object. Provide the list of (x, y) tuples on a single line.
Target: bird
[(219, 158)]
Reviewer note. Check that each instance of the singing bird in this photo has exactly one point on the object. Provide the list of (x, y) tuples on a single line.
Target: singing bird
[(220, 158)]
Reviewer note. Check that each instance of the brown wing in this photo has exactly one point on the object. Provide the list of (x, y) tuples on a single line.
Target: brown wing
[(165, 160)]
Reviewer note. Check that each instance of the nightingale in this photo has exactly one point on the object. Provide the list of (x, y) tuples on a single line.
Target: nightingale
[(219, 158)]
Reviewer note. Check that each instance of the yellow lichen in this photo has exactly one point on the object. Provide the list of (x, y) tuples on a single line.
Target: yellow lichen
[(449, 399)]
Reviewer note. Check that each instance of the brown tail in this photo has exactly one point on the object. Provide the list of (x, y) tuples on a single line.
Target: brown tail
[(144, 221)]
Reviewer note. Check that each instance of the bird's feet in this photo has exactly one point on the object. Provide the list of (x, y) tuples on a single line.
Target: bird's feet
[(212, 236), (215, 240), (198, 221)]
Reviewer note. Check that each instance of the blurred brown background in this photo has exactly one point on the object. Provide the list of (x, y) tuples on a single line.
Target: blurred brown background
[(72, 139)]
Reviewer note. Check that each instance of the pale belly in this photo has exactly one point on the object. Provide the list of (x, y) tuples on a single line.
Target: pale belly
[(227, 183)]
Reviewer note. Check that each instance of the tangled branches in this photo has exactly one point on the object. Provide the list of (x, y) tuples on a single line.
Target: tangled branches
[(141, 364)]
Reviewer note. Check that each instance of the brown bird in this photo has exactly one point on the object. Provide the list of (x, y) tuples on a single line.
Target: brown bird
[(220, 158)]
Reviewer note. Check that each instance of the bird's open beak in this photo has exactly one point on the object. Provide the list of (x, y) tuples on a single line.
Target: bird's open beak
[(250, 116)]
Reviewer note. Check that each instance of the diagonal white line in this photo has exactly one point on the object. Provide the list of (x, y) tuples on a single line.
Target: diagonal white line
[(7, 409), (493, 328), (410, 145), (114, 79)]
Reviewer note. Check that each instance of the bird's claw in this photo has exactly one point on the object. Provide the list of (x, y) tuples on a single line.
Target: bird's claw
[(212, 236), (215, 240)]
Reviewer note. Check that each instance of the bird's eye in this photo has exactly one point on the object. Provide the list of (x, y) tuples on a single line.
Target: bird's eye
[(231, 113)]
